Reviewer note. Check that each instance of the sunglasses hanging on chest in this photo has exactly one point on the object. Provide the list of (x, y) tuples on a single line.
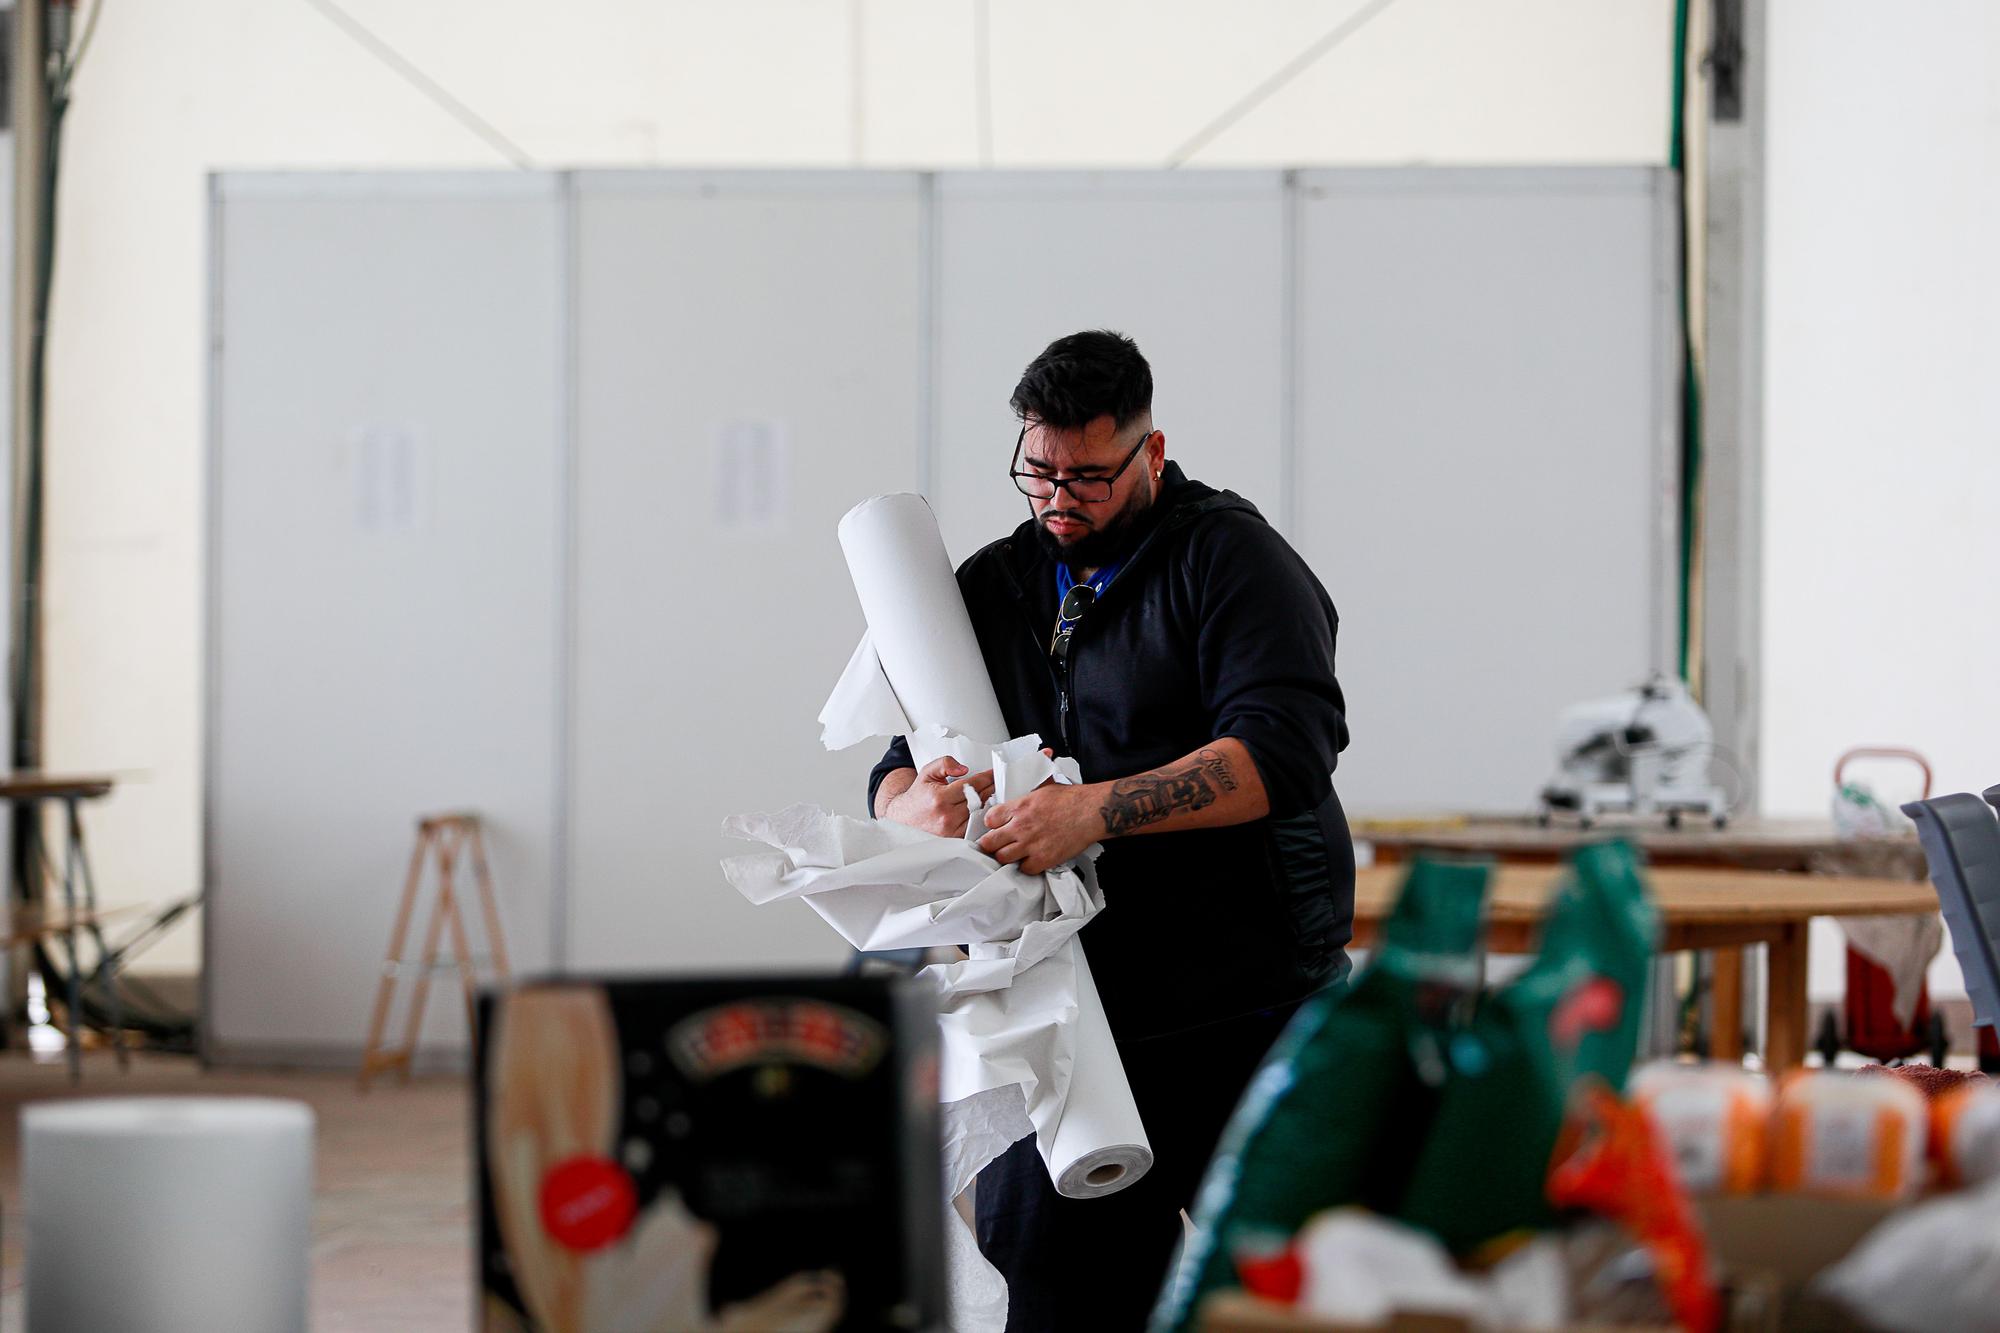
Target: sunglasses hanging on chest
[(1075, 603)]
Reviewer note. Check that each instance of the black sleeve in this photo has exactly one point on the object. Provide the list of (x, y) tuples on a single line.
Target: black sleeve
[(895, 757), (1265, 654)]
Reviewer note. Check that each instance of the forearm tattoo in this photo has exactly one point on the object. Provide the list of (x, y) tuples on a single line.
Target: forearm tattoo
[(1151, 797), (1218, 768)]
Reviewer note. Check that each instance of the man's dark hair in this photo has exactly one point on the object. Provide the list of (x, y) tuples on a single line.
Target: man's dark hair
[(1083, 377)]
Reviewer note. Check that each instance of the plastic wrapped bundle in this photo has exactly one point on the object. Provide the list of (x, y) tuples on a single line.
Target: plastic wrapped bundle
[(1966, 1134), (1839, 1134), (1716, 1118)]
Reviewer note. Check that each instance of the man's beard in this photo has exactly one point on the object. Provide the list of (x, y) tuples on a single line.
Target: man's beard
[(1099, 546)]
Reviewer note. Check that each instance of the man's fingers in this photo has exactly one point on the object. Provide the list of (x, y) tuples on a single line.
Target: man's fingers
[(997, 815), (982, 782), (942, 769)]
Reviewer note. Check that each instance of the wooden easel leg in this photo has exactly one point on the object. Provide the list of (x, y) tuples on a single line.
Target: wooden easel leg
[(496, 944), (460, 948), (421, 995), (385, 991)]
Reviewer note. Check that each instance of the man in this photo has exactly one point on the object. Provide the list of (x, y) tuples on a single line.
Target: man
[(1169, 639)]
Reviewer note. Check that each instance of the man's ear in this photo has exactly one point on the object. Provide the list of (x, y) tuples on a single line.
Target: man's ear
[(1156, 453)]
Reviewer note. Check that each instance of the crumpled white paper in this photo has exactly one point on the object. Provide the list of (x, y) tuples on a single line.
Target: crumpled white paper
[(1929, 1267), (1012, 1012), (1363, 1269)]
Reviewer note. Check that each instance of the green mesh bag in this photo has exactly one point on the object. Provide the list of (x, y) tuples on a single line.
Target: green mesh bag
[(1574, 1012), (1341, 1108)]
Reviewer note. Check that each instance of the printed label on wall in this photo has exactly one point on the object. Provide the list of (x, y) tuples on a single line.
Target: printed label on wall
[(390, 465), (753, 473)]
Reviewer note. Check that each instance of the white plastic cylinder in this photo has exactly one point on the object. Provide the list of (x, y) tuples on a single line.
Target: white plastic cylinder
[(167, 1214)]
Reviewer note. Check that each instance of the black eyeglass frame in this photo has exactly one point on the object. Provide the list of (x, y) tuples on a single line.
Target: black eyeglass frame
[(1070, 484)]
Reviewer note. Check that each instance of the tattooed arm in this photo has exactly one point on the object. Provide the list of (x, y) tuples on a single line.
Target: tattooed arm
[(1212, 787)]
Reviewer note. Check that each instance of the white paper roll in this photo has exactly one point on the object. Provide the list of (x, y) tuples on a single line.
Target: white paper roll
[(1099, 1146), (916, 617), (165, 1214), (924, 639)]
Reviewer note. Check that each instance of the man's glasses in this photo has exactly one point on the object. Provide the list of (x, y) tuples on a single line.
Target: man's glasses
[(1083, 490)]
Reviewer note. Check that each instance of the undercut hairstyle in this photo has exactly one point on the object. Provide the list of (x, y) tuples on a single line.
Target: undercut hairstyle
[(1083, 377)]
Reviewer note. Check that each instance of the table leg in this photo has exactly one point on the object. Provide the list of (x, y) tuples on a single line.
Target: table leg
[(106, 974), (1725, 1037), (1785, 1019), (73, 1020)]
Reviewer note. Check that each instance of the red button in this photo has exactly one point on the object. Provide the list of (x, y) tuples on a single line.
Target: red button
[(588, 1202)]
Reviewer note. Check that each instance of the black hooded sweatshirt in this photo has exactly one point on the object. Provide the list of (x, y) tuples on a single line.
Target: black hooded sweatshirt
[(1213, 627)]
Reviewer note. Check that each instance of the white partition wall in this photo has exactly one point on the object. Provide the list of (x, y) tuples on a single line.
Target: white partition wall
[(525, 490), (1485, 366), (1191, 265), (384, 510), (748, 365)]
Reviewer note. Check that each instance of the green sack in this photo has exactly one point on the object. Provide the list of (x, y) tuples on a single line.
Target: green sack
[(1575, 1012), (1341, 1107)]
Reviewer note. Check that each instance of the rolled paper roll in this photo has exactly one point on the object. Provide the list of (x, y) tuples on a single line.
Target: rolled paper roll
[(917, 620), (929, 654), (1099, 1146), (167, 1213)]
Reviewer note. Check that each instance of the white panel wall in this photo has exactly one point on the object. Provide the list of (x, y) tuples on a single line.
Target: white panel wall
[(1482, 360), (527, 488), (383, 617), (1882, 405), (749, 359), (1191, 266)]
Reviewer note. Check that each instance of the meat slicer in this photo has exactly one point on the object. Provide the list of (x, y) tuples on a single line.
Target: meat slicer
[(1643, 752)]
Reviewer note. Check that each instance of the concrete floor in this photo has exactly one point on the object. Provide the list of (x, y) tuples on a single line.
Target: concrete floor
[(392, 1221)]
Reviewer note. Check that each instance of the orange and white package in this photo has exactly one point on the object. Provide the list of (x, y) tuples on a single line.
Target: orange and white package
[(1965, 1134), (1844, 1134), (1716, 1118)]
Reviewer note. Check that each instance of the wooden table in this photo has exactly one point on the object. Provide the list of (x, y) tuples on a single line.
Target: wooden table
[(1806, 845), (1800, 845), (1699, 909)]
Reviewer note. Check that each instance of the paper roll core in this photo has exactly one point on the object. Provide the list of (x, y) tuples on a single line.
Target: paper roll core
[(1103, 1175)]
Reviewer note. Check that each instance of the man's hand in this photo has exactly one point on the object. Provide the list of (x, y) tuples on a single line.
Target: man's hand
[(935, 801), (1050, 825)]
